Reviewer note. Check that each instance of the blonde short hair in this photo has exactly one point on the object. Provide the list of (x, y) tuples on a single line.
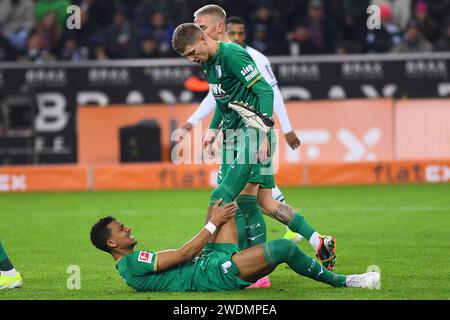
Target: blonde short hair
[(213, 10)]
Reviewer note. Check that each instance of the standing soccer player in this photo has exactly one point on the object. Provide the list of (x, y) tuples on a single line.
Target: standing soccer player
[(211, 19), (232, 76), (235, 31), (9, 277)]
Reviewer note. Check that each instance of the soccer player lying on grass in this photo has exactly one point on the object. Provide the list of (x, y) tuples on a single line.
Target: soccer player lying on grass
[(221, 266)]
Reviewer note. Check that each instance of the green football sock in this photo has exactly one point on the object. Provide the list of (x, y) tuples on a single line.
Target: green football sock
[(298, 224), (283, 250), (256, 226), (5, 264), (241, 232)]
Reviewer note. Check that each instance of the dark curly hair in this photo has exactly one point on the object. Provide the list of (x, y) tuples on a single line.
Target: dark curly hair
[(100, 233)]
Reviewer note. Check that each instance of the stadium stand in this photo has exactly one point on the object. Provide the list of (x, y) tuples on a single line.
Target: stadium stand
[(124, 29)]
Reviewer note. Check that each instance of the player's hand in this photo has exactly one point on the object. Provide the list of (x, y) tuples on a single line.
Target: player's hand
[(264, 150), (220, 215), (187, 128), (219, 139), (292, 140), (208, 142)]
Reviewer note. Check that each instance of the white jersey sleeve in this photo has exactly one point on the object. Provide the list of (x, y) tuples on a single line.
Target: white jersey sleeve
[(280, 110), (206, 107), (263, 65)]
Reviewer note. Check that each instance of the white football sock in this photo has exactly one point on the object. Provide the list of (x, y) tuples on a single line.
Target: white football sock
[(10, 273), (315, 241)]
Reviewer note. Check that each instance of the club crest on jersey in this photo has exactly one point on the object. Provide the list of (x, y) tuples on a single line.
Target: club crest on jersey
[(226, 266), (218, 71), (145, 256)]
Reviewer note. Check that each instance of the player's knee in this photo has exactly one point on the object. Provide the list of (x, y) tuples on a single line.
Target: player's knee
[(268, 204), (225, 193), (286, 245), (281, 249), (248, 203)]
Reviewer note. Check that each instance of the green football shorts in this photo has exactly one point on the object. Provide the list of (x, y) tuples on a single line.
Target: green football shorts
[(239, 166), (216, 271)]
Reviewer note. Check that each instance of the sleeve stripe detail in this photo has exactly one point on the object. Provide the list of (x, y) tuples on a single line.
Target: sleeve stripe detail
[(253, 82), (155, 264)]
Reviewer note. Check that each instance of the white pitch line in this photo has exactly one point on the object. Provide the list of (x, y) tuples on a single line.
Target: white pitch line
[(426, 208)]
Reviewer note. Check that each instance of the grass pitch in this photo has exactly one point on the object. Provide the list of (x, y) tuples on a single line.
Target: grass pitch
[(403, 229)]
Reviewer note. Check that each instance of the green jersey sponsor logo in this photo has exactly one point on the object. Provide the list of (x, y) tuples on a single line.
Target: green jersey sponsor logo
[(249, 72), (216, 88)]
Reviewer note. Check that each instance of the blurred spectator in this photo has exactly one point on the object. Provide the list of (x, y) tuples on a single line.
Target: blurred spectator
[(267, 32), (121, 29), (100, 12), (129, 7), (71, 51), (414, 41), (382, 40), (426, 23), (119, 37), (161, 30), (176, 11), (16, 21), (400, 9), (181, 13), (300, 41), (351, 17), (259, 38), (290, 11), (7, 52), (99, 49), (34, 51), (50, 31), (147, 48), (57, 6), (240, 8), (437, 9), (322, 33), (443, 43)]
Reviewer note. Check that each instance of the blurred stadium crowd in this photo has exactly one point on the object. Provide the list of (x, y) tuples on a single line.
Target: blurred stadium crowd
[(128, 29)]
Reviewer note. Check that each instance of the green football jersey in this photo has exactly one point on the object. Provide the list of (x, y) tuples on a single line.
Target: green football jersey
[(138, 270), (232, 75), (213, 271)]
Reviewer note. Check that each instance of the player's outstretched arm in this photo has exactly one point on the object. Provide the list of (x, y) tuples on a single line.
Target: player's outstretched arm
[(243, 67), (219, 215)]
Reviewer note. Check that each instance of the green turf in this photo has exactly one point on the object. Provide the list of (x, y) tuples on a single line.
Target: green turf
[(403, 229)]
